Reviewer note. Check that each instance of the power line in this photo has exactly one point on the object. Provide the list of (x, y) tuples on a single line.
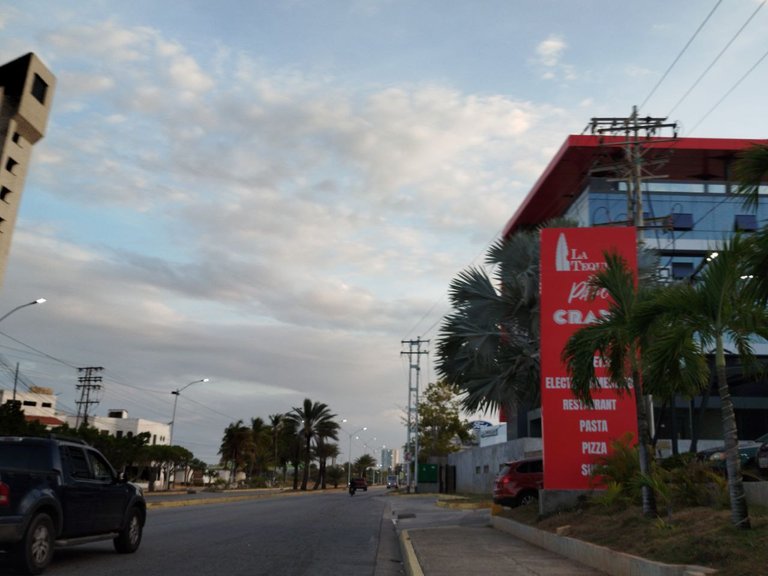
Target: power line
[(59, 360), (738, 33), (687, 44), (728, 93)]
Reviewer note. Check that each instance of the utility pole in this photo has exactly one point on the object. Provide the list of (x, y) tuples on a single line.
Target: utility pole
[(639, 134), (414, 349), (634, 168), (87, 384)]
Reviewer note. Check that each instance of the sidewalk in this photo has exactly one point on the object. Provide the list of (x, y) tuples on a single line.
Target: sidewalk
[(444, 541), (438, 541)]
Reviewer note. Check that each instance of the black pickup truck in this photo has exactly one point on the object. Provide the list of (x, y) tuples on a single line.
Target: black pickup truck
[(56, 492)]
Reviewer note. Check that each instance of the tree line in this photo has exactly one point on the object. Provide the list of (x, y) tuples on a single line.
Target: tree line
[(303, 439)]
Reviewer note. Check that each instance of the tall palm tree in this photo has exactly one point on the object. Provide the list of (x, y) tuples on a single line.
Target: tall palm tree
[(326, 430), (235, 446), (614, 338), (260, 452), (310, 417), (721, 305), (275, 427), (489, 346)]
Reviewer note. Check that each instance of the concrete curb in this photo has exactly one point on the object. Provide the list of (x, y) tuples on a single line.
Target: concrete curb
[(598, 557), (410, 560)]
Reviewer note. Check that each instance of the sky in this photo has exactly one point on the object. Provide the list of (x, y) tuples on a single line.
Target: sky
[(275, 195)]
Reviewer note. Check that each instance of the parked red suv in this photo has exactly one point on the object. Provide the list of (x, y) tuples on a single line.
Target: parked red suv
[(519, 482)]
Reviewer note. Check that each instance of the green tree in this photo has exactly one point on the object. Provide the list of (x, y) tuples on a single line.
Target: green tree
[(722, 306), (335, 475), (326, 430), (614, 338), (236, 446), (751, 170), (260, 452), (440, 422), (362, 464), (309, 419), (489, 345), (13, 423)]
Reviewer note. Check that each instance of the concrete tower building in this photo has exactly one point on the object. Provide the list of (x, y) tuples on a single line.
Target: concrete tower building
[(26, 93)]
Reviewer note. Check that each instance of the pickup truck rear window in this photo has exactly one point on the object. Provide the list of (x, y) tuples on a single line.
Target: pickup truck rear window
[(24, 457)]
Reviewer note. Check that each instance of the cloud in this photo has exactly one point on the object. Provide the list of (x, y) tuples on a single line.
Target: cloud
[(276, 230), (550, 51)]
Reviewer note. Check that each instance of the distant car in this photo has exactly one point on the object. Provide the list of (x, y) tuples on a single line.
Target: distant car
[(519, 482), (359, 484), (391, 482), (748, 450)]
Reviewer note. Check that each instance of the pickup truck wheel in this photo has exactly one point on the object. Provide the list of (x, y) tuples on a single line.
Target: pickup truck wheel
[(130, 536), (35, 551)]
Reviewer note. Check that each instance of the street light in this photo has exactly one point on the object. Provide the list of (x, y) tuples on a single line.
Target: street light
[(349, 458), (177, 393), (38, 301), (4, 316)]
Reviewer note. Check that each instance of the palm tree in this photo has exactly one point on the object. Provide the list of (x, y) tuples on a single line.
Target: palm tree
[(260, 452), (235, 446), (751, 170), (614, 338), (363, 463), (722, 305), (489, 346), (276, 423), (310, 418), (327, 429)]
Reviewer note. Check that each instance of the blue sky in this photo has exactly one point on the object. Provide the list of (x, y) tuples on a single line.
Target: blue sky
[(274, 194)]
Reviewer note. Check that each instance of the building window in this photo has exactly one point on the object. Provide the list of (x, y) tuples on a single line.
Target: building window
[(16, 137), (129, 434), (4, 193), (477, 469), (682, 221), (119, 434), (39, 89), (682, 269), (745, 223), (47, 405), (30, 403), (10, 164)]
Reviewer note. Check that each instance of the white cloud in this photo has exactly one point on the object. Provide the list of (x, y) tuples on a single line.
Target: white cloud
[(550, 50)]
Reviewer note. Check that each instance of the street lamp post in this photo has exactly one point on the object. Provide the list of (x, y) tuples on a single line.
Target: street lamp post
[(4, 316), (177, 393), (349, 458), (38, 301)]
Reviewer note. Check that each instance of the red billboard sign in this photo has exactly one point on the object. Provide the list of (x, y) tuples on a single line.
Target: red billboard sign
[(574, 435)]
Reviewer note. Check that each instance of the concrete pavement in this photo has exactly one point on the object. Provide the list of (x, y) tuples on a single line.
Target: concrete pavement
[(438, 541), (445, 541)]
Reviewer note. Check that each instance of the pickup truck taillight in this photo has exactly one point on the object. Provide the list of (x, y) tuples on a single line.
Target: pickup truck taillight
[(5, 494)]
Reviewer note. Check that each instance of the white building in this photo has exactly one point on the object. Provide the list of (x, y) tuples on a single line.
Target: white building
[(118, 424), (40, 404), (37, 404)]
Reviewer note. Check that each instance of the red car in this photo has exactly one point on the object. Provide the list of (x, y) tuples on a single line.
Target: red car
[(359, 484), (519, 482)]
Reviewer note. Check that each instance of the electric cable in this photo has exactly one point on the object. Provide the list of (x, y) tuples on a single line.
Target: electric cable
[(728, 93), (687, 44), (725, 48)]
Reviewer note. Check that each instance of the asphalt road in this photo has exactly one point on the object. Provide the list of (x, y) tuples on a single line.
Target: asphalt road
[(295, 534)]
